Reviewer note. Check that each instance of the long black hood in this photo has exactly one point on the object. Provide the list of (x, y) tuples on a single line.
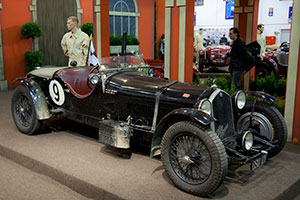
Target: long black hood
[(170, 90)]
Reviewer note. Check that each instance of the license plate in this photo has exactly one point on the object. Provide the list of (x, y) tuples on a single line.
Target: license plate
[(258, 162)]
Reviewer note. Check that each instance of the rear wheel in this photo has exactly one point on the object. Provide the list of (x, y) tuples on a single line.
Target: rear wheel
[(23, 111), (262, 70), (194, 158)]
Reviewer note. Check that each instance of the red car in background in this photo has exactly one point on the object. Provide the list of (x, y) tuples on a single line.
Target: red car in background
[(273, 61), (213, 56), (157, 67)]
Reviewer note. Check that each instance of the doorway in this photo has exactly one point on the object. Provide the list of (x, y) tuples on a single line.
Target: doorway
[(52, 16)]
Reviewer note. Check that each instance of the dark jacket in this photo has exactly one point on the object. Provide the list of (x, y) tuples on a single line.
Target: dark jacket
[(238, 56), (223, 40)]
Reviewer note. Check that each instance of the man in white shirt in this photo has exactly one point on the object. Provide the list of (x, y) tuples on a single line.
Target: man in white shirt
[(261, 40), (198, 43), (75, 43)]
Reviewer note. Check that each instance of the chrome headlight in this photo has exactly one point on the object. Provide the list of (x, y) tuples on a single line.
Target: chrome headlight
[(247, 141), (94, 79), (240, 99), (205, 106)]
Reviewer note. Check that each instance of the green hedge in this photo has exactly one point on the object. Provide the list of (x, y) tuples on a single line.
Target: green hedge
[(88, 28), (223, 83), (117, 40), (33, 59), (270, 85)]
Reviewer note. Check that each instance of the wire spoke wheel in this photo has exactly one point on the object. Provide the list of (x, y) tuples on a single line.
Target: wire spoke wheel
[(190, 158), (24, 111), (194, 157)]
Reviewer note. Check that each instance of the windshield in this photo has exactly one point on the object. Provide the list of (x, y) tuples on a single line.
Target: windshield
[(122, 62)]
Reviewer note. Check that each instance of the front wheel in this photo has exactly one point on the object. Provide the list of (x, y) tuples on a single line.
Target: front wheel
[(23, 111), (268, 122), (194, 158)]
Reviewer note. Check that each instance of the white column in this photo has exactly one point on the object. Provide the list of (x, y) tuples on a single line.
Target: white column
[(169, 4), (292, 71), (97, 9)]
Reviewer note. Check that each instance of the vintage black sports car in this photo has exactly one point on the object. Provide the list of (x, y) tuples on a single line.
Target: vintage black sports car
[(196, 130)]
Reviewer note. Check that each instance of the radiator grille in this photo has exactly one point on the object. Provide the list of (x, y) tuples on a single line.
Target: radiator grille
[(222, 111)]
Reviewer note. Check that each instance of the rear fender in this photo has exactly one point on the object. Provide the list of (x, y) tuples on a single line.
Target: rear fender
[(38, 98), (176, 116), (272, 63)]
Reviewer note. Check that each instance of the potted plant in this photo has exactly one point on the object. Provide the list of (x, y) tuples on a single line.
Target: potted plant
[(32, 58)]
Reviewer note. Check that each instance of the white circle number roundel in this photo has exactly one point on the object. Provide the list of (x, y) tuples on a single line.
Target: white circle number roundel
[(56, 92)]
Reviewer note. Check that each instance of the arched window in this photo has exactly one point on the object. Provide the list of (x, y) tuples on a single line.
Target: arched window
[(123, 16)]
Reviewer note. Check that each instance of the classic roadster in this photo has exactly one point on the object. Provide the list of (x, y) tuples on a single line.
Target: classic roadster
[(275, 61), (196, 130), (213, 56)]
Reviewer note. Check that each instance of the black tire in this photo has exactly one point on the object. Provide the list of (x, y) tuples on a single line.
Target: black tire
[(268, 122), (23, 112), (200, 163), (262, 70), (201, 63)]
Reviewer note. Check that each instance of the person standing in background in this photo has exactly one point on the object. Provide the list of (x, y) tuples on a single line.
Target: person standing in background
[(162, 47), (223, 40), (75, 43), (238, 57), (198, 43), (261, 40)]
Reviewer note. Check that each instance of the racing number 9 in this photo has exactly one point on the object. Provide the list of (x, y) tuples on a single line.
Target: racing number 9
[(56, 92)]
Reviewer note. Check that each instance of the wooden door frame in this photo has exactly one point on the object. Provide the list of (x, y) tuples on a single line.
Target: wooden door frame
[(33, 9)]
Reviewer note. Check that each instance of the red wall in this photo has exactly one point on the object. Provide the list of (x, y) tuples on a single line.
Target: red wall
[(146, 27), (12, 16), (160, 20), (87, 8)]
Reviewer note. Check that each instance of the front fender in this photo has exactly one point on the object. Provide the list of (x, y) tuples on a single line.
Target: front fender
[(263, 95), (173, 117), (38, 98)]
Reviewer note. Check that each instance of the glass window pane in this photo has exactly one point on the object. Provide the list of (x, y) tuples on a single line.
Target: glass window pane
[(111, 25), (124, 24), (132, 26), (121, 5), (119, 24), (115, 25)]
